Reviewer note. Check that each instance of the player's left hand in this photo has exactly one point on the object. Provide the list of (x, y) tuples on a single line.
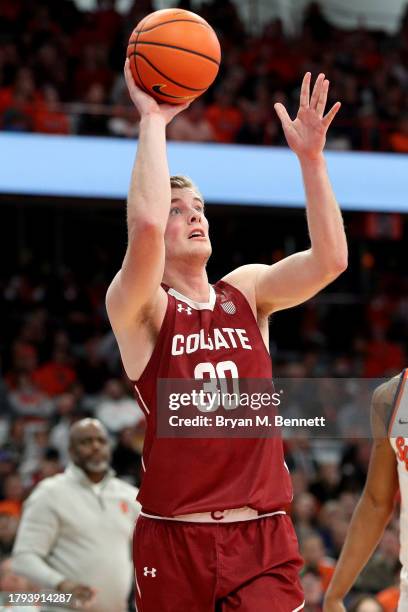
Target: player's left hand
[(306, 135)]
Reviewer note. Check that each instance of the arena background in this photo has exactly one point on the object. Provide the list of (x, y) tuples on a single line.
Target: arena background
[(60, 73)]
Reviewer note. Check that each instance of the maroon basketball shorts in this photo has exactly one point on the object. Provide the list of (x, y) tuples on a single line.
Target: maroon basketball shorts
[(250, 566)]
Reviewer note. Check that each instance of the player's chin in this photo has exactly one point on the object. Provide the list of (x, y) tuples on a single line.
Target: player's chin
[(200, 246)]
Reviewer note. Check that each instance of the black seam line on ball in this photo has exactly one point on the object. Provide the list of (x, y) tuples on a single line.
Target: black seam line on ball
[(137, 69), (205, 25), (165, 75), (156, 44), (157, 89)]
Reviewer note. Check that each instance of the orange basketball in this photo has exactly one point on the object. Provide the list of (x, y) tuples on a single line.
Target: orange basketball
[(174, 55)]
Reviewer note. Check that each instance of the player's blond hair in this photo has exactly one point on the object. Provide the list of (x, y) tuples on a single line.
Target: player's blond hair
[(184, 182)]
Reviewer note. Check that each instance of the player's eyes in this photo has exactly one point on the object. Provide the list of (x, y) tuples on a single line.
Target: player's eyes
[(175, 211)]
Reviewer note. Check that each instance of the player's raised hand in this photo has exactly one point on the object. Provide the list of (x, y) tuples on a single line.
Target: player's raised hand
[(147, 105), (306, 135)]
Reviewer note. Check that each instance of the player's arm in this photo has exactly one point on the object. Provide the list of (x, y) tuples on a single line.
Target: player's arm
[(137, 284), (298, 277), (375, 506)]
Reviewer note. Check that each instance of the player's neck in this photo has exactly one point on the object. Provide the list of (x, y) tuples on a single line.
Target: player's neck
[(192, 283)]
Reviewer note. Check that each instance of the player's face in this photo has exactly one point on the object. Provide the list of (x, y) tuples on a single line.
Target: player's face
[(90, 449), (187, 227)]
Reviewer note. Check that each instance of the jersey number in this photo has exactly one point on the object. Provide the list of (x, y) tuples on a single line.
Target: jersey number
[(215, 385)]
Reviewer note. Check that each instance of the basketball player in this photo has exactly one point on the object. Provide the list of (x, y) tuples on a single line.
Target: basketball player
[(388, 470), (214, 534)]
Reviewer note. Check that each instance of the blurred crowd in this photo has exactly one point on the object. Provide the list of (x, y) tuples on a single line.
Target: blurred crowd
[(61, 73), (60, 362)]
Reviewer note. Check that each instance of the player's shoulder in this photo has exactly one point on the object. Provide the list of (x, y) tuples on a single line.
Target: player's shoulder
[(244, 279), (244, 275), (386, 392), (383, 401)]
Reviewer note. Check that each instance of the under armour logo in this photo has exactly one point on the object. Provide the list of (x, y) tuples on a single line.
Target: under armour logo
[(180, 308), (150, 572)]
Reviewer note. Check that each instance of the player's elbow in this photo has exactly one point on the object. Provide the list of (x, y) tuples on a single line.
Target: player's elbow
[(336, 265), (382, 505), (145, 228), (340, 263)]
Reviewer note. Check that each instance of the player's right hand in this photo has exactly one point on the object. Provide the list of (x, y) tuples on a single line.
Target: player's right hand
[(331, 604), (147, 105), (82, 595)]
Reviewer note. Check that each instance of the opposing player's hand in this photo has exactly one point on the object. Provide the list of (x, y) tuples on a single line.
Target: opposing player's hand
[(306, 135), (333, 605), (147, 105)]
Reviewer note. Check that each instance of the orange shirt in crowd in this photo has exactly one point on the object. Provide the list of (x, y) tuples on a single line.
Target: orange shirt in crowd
[(382, 357), (399, 142), (225, 121), (326, 571), (389, 599), (11, 507), (54, 378), (50, 122)]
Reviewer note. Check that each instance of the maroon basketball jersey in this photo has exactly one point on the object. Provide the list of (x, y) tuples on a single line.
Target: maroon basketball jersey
[(186, 475)]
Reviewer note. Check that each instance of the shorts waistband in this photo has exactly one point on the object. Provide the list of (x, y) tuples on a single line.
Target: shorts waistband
[(232, 515)]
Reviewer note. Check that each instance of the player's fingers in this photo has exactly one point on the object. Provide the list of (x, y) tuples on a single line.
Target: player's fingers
[(305, 91), (321, 103), (327, 119), (282, 114), (128, 74), (316, 91)]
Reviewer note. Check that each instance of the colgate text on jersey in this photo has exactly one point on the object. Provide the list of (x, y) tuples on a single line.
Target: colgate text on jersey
[(224, 338)]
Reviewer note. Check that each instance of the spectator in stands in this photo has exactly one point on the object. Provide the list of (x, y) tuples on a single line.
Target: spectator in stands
[(24, 362), (28, 400), (192, 125), (117, 410), (48, 465), (304, 514), (67, 410), (369, 68), (92, 369), (127, 455), (315, 559), (13, 495), (8, 529), (76, 528), (399, 138), (389, 597), (366, 603), (224, 116), (93, 69), (326, 486), (312, 586), (252, 130), (57, 375), (49, 117), (93, 122)]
